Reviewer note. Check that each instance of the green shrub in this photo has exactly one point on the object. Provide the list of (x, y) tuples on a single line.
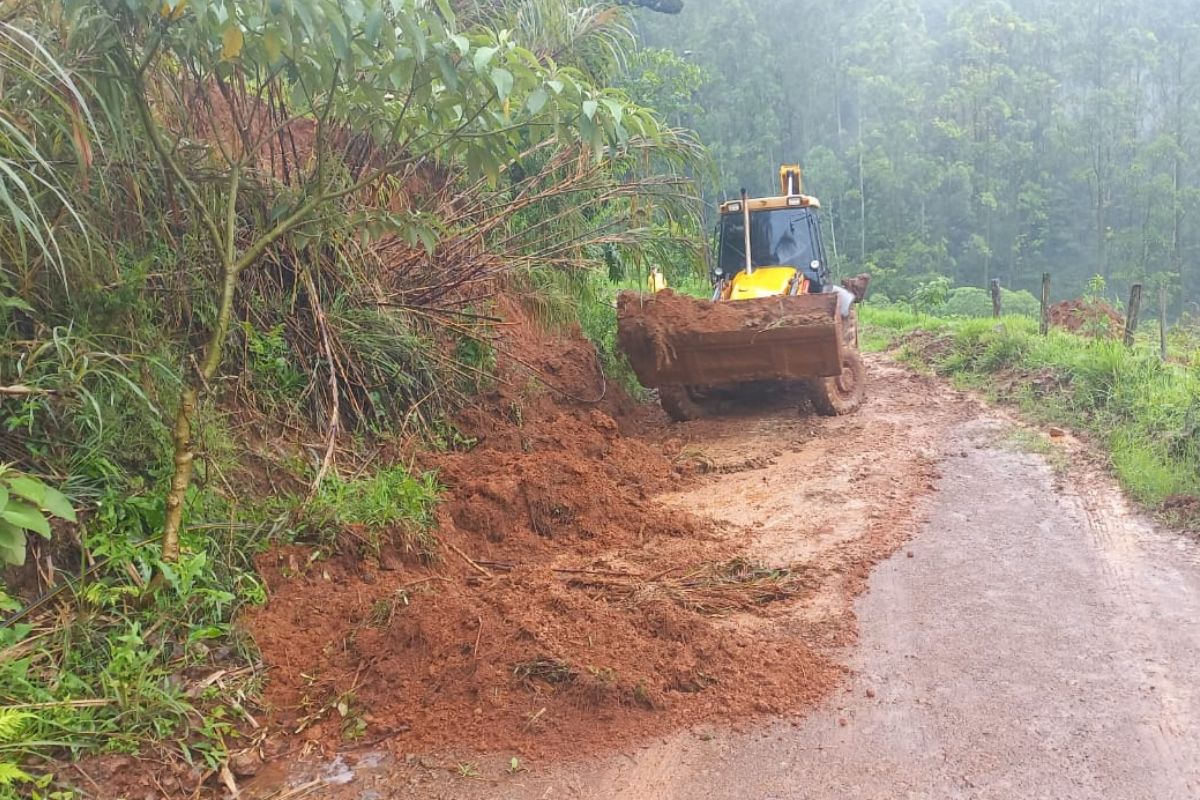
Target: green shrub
[(971, 301)]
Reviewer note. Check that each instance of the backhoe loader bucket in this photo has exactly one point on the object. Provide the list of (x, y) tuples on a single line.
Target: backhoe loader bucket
[(673, 340)]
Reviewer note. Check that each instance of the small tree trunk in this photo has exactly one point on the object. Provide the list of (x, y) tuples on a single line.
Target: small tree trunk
[(1045, 323), (1131, 317), (1162, 321), (995, 286), (181, 437)]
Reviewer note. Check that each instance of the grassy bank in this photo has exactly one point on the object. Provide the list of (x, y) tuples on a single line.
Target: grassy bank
[(1145, 412)]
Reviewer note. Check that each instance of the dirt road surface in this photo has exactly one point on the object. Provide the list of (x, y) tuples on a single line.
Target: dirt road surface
[(1029, 636)]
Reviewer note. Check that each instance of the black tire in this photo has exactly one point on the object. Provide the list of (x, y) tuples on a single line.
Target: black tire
[(832, 397), (677, 402)]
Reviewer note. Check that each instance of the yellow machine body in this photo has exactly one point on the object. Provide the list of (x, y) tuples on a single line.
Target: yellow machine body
[(762, 282), (763, 323)]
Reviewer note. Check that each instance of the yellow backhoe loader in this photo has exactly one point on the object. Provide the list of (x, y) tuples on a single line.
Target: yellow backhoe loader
[(775, 315)]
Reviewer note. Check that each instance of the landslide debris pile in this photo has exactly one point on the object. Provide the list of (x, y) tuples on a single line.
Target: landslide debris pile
[(1087, 316), (568, 608)]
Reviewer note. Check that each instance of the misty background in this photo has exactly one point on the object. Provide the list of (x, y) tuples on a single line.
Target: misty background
[(975, 140)]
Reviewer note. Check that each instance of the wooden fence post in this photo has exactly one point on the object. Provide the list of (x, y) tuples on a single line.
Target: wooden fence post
[(996, 298), (1162, 320), (1131, 314), (1045, 326)]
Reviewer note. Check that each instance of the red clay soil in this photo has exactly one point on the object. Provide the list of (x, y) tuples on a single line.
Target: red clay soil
[(672, 338), (568, 609), (1088, 317)]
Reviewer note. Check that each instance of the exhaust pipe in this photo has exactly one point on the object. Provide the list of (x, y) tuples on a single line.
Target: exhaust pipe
[(746, 226)]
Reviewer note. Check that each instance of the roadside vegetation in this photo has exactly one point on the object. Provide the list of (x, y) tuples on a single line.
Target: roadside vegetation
[(252, 254), (1144, 411), (244, 249)]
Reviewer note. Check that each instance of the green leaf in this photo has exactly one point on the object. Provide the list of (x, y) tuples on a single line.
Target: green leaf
[(615, 109), (11, 774), (32, 490), (11, 535), (447, 10), (3, 498), (589, 109), (340, 39), (483, 57), (428, 237), (57, 504), (503, 79), (537, 100), (26, 516), (12, 544)]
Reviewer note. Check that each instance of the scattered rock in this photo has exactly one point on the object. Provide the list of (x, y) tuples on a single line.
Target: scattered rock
[(245, 763)]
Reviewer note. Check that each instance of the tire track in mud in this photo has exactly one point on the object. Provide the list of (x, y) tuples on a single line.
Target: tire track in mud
[(1134, 552)]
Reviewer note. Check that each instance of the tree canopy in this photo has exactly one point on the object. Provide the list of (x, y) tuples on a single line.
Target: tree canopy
[(979, 140)]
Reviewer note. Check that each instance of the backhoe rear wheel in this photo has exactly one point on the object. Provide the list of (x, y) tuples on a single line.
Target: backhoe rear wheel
[(843, 394), (677, 402)]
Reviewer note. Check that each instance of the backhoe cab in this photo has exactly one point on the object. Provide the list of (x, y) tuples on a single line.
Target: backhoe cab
[(781, 254), (775, 315)]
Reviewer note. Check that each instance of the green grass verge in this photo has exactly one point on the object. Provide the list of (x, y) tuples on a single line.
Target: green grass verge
[(113, 664), (1145, 411)]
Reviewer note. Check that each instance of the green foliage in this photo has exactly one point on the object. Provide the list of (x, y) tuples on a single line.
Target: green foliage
[(969, 301), (89, 411), (393, 501), (26, 504), (1097, 288), (270, 363), (930, 296), (667, 82), (120, 669), (1143, 409), (12, 726)]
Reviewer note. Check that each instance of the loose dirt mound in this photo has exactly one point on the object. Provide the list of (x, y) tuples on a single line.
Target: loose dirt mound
[(569, 610), (1088, 317)]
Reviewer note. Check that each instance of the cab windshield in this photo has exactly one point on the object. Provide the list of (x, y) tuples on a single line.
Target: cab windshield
[(784, 236)]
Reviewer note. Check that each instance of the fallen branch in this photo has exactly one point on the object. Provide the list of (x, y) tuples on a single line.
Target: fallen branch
[(712, 590), (21, 390), (503, 566), (474, 565), (335, 418)]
